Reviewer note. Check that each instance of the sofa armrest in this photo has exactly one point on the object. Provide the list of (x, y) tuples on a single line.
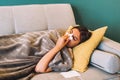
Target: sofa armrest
[(105, 61)]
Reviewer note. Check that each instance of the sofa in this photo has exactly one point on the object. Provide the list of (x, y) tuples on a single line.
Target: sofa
[(38, 17)]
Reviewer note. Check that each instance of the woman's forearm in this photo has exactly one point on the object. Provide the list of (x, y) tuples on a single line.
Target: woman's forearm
[(42, 65)]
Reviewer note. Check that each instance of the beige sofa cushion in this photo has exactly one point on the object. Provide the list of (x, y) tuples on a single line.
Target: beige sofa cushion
[(91, 74), (35, 17), (59, 16), (42, 17), (29, 18), (6, 20)]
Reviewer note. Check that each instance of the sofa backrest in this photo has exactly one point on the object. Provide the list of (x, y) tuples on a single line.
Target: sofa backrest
[(35, 17)]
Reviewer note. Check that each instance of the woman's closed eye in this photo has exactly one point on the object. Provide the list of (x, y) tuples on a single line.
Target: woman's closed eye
[(75, 38)]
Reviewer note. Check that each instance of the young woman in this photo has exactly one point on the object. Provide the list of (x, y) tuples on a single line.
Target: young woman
[(79, 35)]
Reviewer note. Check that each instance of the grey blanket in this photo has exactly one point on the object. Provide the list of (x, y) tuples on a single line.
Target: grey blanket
[(19, 54)]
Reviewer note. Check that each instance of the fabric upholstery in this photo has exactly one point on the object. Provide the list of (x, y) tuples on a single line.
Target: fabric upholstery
[(61, 15), (6, 21), (91, 74), (105, 61), (96, 74), (29, 18), (35, 17), (110, 45)]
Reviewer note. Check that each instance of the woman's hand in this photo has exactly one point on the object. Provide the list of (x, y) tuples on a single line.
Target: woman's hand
[(61, 42)]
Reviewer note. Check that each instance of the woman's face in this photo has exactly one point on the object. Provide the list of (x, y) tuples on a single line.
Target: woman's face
[(76, 38)]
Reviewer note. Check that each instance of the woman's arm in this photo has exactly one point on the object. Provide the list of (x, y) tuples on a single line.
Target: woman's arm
[(42, 65)]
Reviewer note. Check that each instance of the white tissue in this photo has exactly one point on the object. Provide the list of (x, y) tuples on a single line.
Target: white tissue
[(70, 74), (70, 36)]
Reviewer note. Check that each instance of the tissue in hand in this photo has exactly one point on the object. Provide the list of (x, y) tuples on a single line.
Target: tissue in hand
[(68, 33), (70, 36)]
